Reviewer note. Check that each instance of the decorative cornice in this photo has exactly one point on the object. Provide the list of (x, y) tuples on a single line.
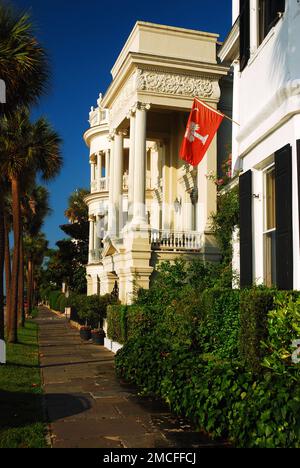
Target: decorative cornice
[(175, 84), (143, 106), (160, 82)]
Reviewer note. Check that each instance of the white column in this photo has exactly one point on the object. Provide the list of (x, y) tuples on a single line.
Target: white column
[(165, 201), (131, 165), (139, 207), (118, 179), (107, 168), (96, 234), (93, 172), (111, 213), (91, 237), (99, 164)]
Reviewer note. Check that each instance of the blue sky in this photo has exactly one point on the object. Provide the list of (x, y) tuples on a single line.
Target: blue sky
[(83, 39)]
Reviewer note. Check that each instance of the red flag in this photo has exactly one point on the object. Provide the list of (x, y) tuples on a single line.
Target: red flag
[(202, 126)]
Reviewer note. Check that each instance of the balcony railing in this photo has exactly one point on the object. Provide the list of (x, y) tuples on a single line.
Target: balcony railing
[(176, 240), (100, 185)]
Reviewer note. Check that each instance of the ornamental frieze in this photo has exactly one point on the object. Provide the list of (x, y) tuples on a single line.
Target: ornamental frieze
[(169, 83)]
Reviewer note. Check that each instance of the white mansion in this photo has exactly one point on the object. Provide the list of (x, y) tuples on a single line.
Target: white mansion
[(264, 49), (146, 205)]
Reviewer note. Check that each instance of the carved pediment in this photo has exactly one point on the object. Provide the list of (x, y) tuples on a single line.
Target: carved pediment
[(109, 248)]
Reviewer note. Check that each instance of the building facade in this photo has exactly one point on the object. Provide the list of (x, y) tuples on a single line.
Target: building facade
[(146, 205), (263, 48)]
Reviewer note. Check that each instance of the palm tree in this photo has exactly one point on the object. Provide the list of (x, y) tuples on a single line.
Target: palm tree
[(23, 62), (24, 69), (37, 208), (35, 249), (25, 147)]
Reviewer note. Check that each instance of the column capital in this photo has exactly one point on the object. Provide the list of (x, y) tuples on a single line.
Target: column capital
[(121, 133), (131, 112), (143, 106), (111, 135), (93, 158)]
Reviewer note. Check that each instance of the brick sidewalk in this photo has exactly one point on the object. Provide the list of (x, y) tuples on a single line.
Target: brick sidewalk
[(87, 406)]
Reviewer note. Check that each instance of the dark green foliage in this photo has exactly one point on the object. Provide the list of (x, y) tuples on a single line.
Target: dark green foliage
[(254, 307), (224, 221), (173, 278), (115, 323), (283, 331), (90, 310), (218, 332), (53, 299), (193, 353)]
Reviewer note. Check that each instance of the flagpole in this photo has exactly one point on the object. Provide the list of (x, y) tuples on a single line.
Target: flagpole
[(216, 111)]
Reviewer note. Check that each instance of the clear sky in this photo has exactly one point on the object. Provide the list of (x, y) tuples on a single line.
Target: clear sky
[(83, 39)]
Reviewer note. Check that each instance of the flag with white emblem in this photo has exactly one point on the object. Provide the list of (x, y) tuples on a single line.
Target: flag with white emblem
[(202, 126)]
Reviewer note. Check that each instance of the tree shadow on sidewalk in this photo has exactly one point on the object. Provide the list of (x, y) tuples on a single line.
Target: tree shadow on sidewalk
[(22, 409)]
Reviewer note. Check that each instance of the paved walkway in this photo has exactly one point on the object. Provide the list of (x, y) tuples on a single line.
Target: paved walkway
[(88, 407)]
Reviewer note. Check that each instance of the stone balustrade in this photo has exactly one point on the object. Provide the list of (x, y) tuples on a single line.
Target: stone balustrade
[(176, 240)]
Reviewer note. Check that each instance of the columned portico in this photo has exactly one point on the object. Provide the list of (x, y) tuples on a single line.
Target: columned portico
[(144, 113)]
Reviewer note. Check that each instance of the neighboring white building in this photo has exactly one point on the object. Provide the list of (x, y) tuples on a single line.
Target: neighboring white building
[(145, 204), (264, 49)]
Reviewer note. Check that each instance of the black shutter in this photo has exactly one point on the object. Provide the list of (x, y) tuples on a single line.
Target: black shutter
[(244, 33), (246, 250), (284, 218)]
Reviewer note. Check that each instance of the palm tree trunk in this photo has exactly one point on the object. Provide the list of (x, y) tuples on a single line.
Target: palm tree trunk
[(21, 311), (1, 266), (29, 286), (16, 211), (7, 272), (33, 282)]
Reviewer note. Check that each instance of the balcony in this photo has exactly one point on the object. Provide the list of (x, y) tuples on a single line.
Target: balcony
[(100, 185), (176, 241)]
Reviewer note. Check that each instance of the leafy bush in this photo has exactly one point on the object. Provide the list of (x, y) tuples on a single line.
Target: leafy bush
[(283, 331), (254, 306), (53, 299), (89, 309), (192, 353), (115, 323)]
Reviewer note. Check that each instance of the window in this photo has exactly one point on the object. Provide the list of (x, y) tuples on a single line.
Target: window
[(269, 14), (270, 228)]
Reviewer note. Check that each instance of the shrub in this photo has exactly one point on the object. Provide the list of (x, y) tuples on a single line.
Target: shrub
[(89, 309), (61, 303), (116, 316), (187, 354), (283, 331), (254, 306), (218, 331), (53, 299)]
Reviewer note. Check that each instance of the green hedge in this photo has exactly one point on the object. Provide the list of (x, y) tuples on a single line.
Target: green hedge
[(123, 321), (54, 299), (90, 310), (219, 329), (201, 353)]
